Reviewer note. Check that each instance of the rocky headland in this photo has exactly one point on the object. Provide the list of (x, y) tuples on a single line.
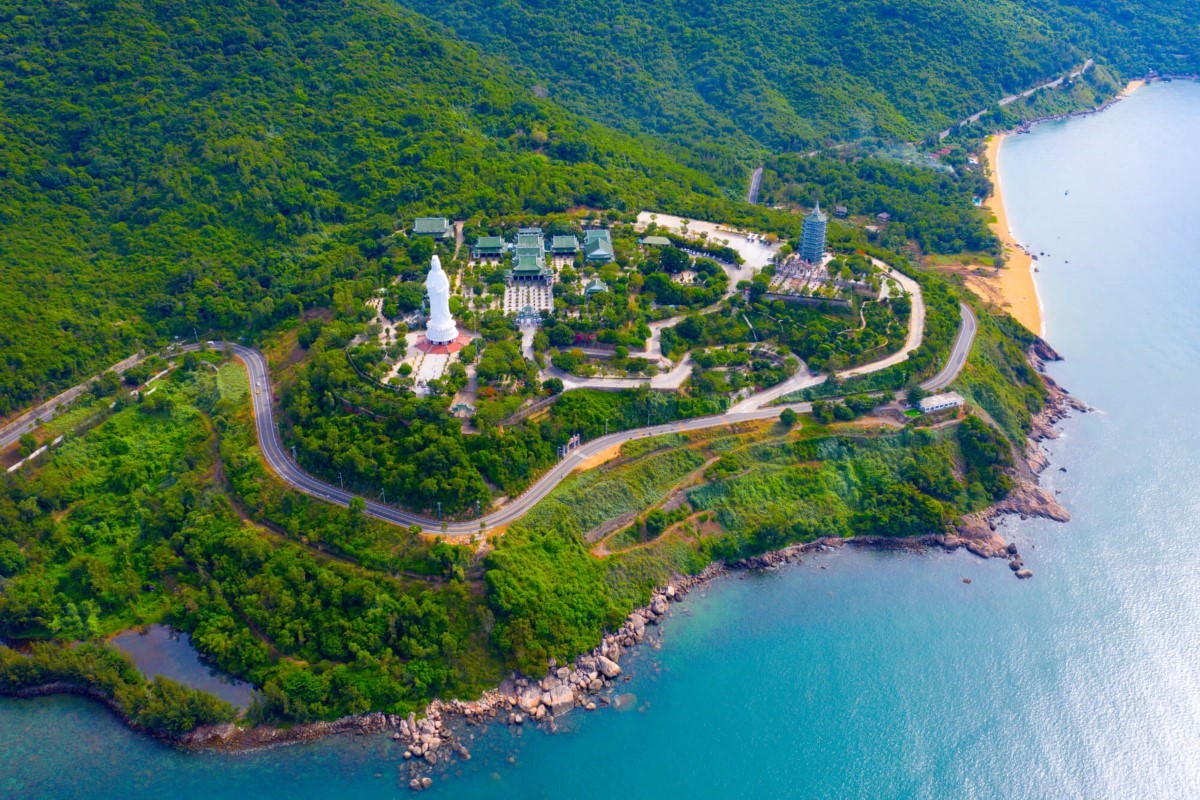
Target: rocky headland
[(590, 681)]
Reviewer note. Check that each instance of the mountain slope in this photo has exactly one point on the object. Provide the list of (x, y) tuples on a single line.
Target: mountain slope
[(788, 74), (213, 165)]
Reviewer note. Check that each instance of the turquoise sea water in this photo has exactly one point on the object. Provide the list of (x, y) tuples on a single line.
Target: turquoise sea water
[(884, 675)]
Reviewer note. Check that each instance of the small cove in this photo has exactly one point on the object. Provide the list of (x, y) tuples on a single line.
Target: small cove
[(162, 650)]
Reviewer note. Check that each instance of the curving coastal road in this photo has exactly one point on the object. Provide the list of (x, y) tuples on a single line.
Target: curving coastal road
[(279, 461), (958, 354), (277, 457)]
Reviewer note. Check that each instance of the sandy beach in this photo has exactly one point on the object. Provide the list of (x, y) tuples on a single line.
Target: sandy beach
[(1130, 88), (1011, 288)]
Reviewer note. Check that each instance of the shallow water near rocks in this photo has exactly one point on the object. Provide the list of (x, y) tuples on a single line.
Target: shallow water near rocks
[(884, 675)]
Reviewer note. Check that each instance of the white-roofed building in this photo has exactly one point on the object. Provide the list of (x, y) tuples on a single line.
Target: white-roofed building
[(940, 402)]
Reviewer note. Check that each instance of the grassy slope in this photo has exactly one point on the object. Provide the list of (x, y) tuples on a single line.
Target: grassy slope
[(553, 597)]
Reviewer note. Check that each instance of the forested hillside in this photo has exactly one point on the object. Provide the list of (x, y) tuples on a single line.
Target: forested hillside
[(220, 166), (212, 165), (787, 74)]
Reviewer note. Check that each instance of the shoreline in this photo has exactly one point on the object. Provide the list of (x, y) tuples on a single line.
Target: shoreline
[(1013, 287), (591, 680)]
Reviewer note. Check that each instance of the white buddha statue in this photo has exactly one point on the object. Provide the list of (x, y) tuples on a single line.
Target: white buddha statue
[(440, 328)]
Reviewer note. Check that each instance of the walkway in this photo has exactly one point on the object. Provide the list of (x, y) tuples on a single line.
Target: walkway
[(752, 409), (749, 410), (967, 328), (27, 422), (1012, 98), (916, 325), (755, 186)]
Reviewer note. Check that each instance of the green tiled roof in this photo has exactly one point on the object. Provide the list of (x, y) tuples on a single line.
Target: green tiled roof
[(599, 250), (564, 243), (431, 225), (490, 244), (525, 264), (596, 234)]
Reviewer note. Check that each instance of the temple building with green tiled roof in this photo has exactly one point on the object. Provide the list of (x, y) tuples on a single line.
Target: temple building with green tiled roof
[(488, 247), (528, 266), (437, 227), (531, 240), (597, 246), (564, 245)]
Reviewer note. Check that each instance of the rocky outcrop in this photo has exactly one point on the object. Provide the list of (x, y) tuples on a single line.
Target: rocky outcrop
[(232, 737), (1030, 500), (609, 669)]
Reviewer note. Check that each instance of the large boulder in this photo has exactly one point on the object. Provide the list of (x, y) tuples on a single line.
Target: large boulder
[(561, 700), (608, 668), (529, 699), (659, 605)]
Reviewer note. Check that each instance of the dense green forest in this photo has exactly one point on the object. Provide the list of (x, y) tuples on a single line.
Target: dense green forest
[(326, 610), (169, 170), (793, 74), (243, 168), (221, 166)]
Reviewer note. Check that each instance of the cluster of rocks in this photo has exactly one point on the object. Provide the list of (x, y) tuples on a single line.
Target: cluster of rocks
[(977, 532), (522, 700), (580, 684), (429, 739), (422, 738), (1017, 564)]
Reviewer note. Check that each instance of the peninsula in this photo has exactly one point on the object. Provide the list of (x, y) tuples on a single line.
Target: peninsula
[(392, 360)]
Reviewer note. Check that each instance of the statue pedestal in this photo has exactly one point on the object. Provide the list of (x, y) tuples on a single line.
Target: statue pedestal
[(427, 346)]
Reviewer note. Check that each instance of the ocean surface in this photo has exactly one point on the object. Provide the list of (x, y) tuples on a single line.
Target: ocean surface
[(883, 675)]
